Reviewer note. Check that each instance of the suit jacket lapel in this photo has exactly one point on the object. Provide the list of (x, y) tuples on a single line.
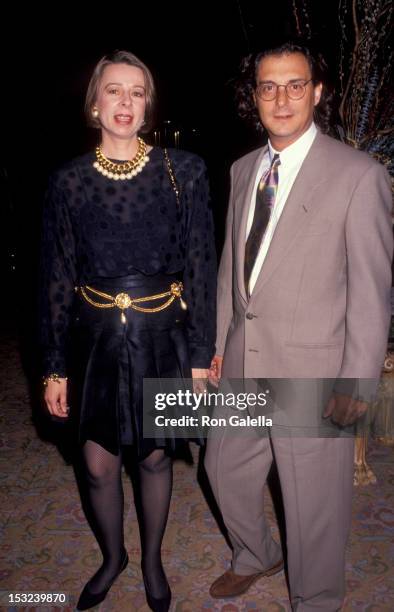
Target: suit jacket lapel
[(296, 213), (241, 229)]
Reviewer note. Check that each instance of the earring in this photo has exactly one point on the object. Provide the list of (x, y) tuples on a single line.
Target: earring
[(143, 122), (95, 112)]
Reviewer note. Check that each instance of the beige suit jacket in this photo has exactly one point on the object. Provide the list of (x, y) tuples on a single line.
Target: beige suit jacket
[(321, 304)]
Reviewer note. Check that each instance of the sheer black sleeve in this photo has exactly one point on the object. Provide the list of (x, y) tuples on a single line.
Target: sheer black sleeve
[(57, 279), (200, 272)]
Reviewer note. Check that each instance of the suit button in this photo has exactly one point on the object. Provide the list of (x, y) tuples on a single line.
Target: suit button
[(250, 315)]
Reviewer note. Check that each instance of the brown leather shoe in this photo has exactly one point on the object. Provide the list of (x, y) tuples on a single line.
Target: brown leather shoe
[(232, 585)]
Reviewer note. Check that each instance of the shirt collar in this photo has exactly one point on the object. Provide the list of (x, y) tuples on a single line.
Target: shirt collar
[(297, 151)]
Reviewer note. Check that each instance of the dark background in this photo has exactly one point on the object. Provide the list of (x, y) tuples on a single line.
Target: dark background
[(193, 50)]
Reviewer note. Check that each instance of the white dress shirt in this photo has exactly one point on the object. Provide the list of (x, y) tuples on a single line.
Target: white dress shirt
[(291, 159)]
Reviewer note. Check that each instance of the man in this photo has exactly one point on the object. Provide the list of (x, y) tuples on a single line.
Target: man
[(304, 292)]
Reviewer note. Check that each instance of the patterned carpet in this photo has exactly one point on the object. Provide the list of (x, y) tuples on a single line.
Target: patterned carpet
[(46, 544)]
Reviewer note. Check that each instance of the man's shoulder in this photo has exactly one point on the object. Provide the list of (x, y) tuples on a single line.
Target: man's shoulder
[(343, 155), (248, 160), (334, 156)]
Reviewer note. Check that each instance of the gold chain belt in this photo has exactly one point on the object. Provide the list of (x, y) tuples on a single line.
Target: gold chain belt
[(124, 301)]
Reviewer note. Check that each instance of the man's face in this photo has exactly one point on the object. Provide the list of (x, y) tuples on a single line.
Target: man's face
[(284, 119)]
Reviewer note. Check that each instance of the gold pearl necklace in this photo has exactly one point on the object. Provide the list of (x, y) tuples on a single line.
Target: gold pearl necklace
[(126, 170)]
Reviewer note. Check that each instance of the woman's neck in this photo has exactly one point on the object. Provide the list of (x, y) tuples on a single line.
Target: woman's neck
[(119, 148)]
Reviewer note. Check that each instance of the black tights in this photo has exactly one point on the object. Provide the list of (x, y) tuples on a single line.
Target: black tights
[(104, 510)]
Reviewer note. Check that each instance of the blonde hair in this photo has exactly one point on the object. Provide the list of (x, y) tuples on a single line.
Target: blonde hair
[(120, 57)]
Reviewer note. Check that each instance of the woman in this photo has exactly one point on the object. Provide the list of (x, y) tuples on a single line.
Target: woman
[(127, 221)]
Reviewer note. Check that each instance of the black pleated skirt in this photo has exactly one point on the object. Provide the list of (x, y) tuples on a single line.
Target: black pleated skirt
[(110, 359)]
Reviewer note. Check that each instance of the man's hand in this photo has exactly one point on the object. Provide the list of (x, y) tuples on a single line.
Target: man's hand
[(55, 397), (215, 371), (200, 376), (344, 410)]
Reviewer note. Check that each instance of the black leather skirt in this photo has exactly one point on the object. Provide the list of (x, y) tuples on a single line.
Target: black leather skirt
[(110, 359)]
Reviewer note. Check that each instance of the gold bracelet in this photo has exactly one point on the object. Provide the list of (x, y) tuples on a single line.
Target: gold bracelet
[(52, 378)]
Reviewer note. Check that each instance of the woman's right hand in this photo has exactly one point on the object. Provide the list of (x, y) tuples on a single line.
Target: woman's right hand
[(55, 397)]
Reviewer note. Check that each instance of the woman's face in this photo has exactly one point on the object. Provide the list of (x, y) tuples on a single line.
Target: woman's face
[(121, 100)]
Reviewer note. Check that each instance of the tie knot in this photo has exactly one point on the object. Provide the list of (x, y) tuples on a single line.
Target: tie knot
[(275, 160)]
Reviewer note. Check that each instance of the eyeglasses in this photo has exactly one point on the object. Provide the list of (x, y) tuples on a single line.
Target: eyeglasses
[(295, 90)]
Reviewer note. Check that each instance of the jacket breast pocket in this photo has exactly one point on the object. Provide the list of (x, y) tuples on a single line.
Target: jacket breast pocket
[(317, 228)]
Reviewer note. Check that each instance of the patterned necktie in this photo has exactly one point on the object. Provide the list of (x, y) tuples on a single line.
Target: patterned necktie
[(265, 200)]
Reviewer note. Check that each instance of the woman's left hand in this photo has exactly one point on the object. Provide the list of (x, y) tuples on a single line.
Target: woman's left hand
[(200, 378)]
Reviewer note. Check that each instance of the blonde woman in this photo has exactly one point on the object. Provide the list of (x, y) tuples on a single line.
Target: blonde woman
[(125, 221)]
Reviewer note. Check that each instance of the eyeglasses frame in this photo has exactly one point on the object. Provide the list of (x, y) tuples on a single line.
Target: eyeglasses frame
[(285, 86)]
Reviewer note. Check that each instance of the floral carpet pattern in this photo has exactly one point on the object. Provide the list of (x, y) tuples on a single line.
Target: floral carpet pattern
[(46, 544)]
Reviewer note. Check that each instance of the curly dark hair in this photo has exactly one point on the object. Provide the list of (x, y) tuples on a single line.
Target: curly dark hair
[(245, 85)]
